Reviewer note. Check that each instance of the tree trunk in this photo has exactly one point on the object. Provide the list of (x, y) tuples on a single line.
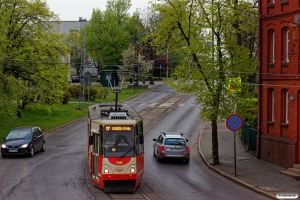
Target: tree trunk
[(215, 147)]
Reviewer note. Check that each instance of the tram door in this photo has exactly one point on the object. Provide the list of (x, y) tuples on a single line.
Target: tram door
[(96, 147)]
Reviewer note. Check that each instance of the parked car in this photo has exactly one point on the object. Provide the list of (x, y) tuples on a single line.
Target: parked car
[(75, 79), (23, 141), (171, 145)]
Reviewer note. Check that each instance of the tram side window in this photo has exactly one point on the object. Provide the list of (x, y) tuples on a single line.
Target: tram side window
[(139, 147), (101, 141)]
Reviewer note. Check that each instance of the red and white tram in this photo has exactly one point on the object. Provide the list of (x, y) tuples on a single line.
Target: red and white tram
[(115, 147)]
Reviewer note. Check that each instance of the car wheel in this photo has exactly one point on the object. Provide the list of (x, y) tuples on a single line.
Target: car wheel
[(43, 147), (31, 151), (158, 158), (154, 153)]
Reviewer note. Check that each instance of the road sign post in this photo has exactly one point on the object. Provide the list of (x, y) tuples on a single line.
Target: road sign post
[(234, 123)]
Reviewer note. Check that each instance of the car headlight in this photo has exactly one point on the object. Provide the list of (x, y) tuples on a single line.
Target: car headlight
[(3, 146), (24, 146)]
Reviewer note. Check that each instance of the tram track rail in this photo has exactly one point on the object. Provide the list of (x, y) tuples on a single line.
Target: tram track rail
[(138, 194)]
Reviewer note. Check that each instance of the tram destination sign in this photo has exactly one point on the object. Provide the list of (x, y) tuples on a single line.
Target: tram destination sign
[(118, 128)]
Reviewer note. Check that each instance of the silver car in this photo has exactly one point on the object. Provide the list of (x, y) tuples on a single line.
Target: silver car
[(171, 145)]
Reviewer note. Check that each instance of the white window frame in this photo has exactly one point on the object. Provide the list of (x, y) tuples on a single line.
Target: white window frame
[(287, 107), (273, 47), (287, 42), (273, 105)]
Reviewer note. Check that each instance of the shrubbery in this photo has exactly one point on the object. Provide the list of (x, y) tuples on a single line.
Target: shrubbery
[(247, 109)]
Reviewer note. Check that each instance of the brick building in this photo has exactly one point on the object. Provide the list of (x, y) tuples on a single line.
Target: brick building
[(279, 82)]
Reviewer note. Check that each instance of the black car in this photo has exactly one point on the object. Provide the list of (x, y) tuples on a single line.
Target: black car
[(75, 79), (23, 141)]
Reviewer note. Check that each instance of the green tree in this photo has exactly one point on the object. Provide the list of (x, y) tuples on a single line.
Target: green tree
[(32, 52), (110, 32), (206, 33), (73, 42), (131, 58)]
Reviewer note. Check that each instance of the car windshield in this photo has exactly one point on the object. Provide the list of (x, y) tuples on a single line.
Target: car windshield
[(175, 141), (19, 134)]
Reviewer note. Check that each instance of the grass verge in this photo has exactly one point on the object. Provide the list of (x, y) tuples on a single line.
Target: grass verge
[(49, 117)]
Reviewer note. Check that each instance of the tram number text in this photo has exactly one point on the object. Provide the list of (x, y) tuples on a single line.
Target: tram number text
[(118, 128)]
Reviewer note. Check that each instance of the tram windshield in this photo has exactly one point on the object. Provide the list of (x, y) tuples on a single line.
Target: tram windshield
[(118, 141)]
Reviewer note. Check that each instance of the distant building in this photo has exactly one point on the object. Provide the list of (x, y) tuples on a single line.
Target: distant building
[(64, 27), (279, 83)]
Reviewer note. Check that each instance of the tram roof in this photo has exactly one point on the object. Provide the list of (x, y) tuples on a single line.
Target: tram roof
[(94, 111)]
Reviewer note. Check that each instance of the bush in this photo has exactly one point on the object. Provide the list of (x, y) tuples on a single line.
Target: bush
[(66, 98), (103, 93), (74, 90), (92, 92)]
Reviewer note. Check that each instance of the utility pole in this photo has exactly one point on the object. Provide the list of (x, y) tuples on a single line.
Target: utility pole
[(81, 86)]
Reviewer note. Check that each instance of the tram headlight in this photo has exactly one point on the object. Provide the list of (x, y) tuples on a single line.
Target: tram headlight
[(106, 169), (132, 170)]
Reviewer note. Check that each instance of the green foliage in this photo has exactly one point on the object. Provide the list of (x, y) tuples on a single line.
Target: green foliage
[(110, 32), (247, 109), (66, 98), (31, 53), (103, 93), (43, 110), (10, 95), (74, 90), (205, 68)]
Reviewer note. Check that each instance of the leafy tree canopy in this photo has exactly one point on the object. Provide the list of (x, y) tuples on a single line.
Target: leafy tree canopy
[(209, 33), (31, 52), (110, 32)]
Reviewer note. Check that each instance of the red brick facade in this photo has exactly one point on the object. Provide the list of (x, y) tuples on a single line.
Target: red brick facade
[(279, 82)]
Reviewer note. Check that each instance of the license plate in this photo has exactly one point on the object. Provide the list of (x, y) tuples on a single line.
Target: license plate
[(13, 150)]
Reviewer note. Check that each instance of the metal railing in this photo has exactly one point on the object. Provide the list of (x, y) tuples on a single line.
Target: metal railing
[(249, 137)]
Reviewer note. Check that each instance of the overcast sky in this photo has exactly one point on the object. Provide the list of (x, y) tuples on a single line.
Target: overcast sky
[(71, 10)]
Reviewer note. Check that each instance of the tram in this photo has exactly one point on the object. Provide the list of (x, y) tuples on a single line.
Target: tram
[(115, 147)]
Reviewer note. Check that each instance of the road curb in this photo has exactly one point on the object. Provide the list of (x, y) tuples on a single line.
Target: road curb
[(228, 176)]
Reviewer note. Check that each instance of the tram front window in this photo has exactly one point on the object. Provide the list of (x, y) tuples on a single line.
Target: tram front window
[(118, 141)]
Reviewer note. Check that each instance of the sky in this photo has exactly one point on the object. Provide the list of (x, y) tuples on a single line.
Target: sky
[(71, 10)]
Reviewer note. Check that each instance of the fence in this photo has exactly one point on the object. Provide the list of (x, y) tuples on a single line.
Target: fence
[(249, 137)]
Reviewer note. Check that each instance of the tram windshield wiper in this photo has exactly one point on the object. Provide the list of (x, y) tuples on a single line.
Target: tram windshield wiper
[(127, 152)]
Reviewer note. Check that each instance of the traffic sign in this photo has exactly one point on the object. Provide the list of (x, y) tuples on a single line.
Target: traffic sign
[(234, 122)]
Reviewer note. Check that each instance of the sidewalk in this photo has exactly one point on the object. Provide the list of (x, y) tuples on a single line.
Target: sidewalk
[(256, 174)]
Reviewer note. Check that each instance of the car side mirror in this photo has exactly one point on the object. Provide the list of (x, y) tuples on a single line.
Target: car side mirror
[(91, 140), (154, 139), (186, 140)]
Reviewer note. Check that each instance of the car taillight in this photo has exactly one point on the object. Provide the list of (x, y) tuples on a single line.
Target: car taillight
[(188, 149), (161, 148)]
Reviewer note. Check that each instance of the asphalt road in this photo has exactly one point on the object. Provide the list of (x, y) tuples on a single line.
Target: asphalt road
[(59, 173)]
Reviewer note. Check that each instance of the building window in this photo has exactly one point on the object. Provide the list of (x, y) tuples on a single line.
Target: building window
[(271, 47), (285, 107), (271, 105), (285, 45)]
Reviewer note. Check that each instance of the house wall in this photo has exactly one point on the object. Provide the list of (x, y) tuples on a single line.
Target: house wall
[(278, 140)]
